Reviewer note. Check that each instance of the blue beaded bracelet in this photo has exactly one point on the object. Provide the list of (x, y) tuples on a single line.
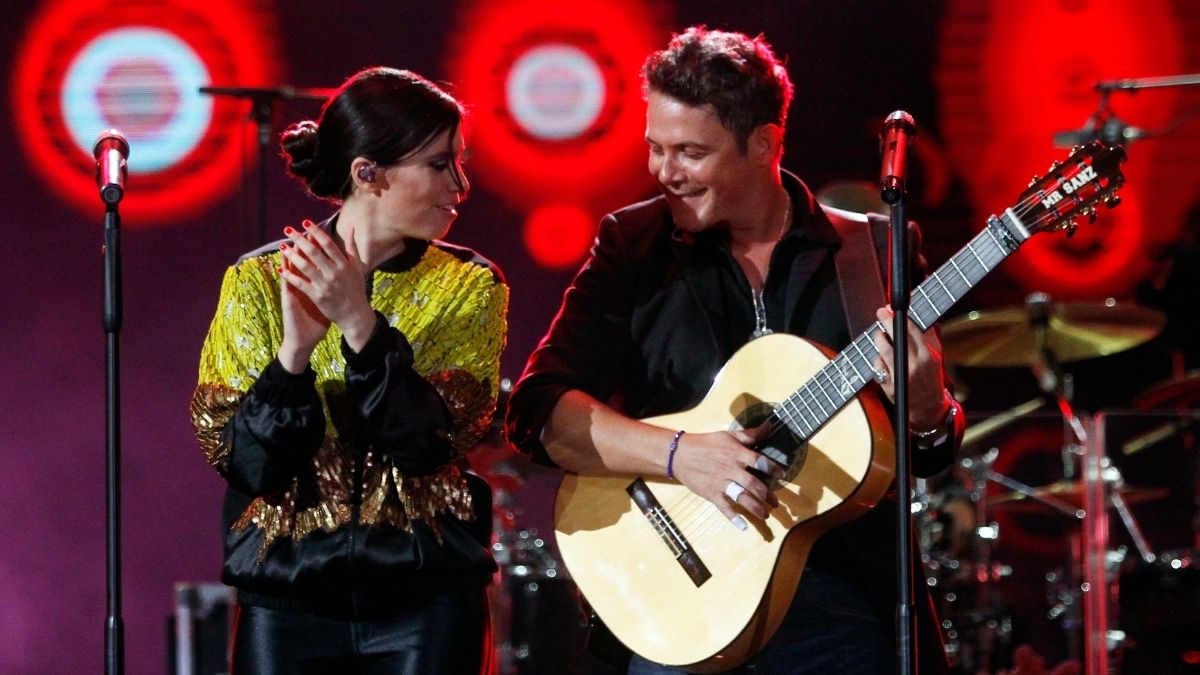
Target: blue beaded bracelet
[(671, 453)]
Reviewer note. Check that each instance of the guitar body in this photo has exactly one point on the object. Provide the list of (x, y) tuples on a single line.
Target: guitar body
[(631, 576)]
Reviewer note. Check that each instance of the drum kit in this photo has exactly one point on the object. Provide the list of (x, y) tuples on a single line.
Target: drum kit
[(986, 537)]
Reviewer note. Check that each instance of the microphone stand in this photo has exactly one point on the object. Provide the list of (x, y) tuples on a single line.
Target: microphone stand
[(899, 298), (114, 629), (1133, 84), (262, 111), (1104, 125)]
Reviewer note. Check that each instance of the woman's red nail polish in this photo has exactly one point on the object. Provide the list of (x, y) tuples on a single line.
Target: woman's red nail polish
[(289, 231)]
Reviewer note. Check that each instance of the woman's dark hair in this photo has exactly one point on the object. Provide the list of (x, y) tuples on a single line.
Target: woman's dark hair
[(737, 75), (382, 114)]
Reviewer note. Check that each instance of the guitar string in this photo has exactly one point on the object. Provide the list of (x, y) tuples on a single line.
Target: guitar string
[(693, 513), (682, 508), (685, 509)]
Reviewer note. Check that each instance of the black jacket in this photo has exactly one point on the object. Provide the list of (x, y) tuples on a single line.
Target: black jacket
[(344, 496)]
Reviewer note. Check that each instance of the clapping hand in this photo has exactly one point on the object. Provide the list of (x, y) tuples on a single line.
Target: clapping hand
[(323, 283)]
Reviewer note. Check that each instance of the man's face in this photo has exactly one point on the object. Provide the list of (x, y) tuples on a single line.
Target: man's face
[(697, 164)]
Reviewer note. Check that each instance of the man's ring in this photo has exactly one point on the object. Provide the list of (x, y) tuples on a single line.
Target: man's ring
[(881, 376), (734, 490)]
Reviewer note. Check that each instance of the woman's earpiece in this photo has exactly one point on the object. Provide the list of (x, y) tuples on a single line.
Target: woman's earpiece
[(366, 173)]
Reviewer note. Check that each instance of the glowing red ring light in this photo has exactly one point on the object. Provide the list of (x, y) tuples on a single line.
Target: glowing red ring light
[(232, 43)]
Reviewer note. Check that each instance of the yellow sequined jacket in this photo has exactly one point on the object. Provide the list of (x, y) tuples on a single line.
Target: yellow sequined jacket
[(343, 493)]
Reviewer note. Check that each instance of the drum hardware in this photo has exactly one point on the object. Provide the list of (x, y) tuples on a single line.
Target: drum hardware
[(979, 430), (1159, 609), (1179, 393), (981, 471), (1158, 434), (1068, 494), (975, 624), (524, 554), (1063, 590)]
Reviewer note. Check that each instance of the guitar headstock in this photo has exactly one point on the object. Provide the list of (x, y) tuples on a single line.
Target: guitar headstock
[(1089, 176)]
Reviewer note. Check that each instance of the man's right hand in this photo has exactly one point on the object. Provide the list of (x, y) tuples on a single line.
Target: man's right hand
[(715, 464)]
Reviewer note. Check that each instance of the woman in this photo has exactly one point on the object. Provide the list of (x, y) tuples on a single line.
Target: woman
[(345, 371)]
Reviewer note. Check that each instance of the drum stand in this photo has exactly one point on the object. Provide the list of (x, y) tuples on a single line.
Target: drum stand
[(1100, 488), (1090, 486)]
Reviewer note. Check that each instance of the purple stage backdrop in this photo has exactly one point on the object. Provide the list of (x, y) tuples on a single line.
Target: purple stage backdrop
[(52, 441)]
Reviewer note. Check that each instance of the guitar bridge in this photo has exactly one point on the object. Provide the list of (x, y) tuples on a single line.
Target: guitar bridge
[(662, 523)]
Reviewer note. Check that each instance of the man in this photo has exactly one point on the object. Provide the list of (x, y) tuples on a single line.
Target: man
[(733, 248)]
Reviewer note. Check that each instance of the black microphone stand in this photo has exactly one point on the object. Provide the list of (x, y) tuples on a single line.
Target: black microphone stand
[(900, 293), (114, 628), (262, 111), (1104, 125)]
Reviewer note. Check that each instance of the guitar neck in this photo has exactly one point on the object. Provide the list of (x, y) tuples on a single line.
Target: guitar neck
[(809, 407)]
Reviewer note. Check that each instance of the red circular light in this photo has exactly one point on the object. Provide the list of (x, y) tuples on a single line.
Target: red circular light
[(140, 93), (557, 115), (557, 236)]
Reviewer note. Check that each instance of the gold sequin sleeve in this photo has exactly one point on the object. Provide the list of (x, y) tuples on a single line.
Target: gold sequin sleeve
[(242, 340), (462, 355)]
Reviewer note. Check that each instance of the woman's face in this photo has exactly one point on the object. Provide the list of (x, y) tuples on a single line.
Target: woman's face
[(421, 193)]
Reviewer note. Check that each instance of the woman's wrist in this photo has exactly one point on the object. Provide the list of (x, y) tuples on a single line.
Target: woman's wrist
[(293, 358), (358, 331)]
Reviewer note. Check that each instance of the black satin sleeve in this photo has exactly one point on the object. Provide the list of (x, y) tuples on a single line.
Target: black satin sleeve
[(276, 429), (404, 416)]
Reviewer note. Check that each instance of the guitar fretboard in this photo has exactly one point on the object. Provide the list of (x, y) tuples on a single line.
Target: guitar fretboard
[(840, 380)]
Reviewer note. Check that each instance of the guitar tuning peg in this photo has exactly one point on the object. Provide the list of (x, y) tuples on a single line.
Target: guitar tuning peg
[(1034, 181), (1055, 164), (1091, 215), (1113, 201), (1071, 226)]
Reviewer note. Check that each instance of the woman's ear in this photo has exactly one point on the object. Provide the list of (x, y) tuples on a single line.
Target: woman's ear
[(364, 174)]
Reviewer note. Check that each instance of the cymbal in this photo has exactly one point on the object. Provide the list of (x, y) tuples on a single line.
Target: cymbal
[(1071, 493), (1074, 331), (979, 430), (1180, 392)]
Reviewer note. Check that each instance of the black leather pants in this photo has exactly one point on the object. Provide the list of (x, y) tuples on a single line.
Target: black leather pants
[(444, 635)]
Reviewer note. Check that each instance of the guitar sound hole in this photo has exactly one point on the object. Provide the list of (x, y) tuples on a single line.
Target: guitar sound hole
[(781, 446)]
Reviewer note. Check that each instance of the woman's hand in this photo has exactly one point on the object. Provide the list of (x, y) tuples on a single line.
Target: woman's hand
[(303, 324), (332, 279)]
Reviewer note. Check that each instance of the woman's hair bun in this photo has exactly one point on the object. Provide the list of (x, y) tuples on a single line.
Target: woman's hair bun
[(303, 150)]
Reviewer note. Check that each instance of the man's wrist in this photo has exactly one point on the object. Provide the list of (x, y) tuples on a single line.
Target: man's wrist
[(934, 434)]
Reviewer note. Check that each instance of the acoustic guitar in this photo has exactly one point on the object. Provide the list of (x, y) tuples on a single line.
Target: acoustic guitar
[(679, 584)]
